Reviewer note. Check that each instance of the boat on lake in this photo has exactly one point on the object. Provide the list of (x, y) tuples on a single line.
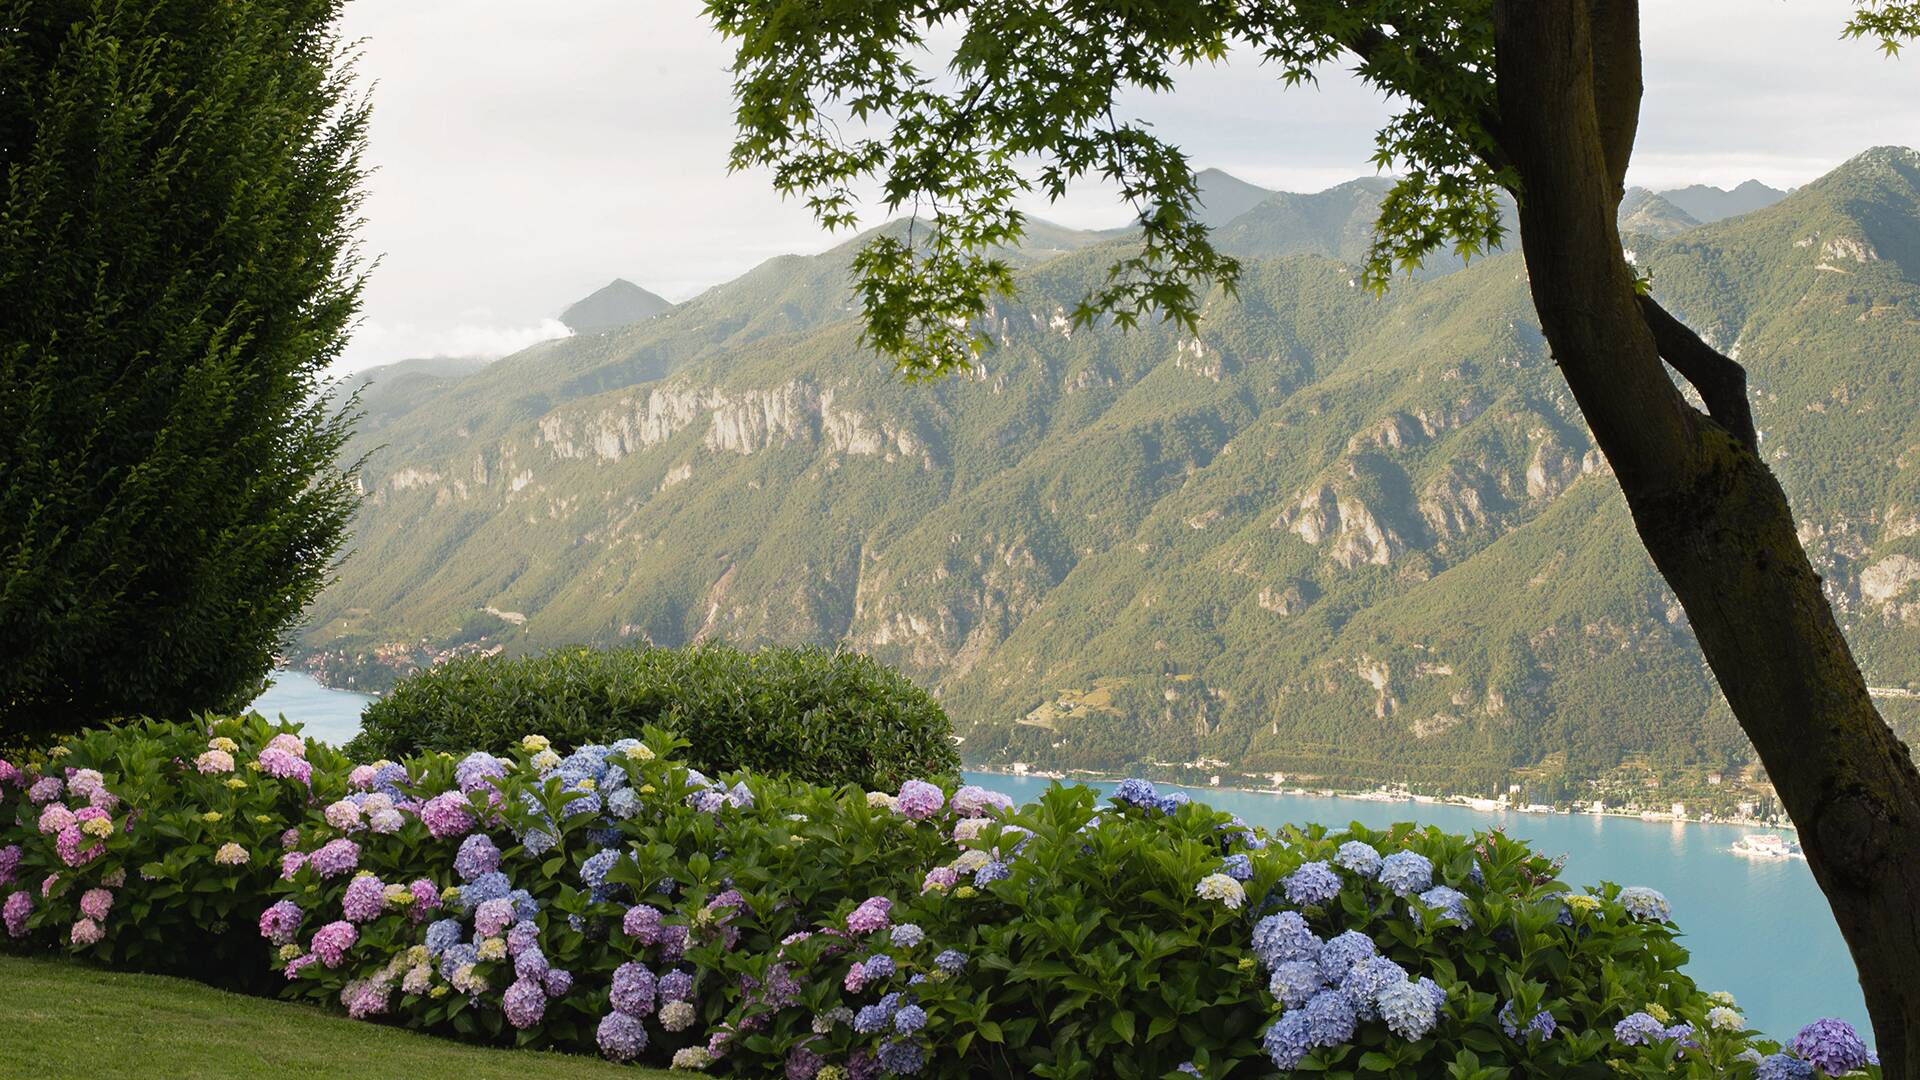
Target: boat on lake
[(1766, 846)]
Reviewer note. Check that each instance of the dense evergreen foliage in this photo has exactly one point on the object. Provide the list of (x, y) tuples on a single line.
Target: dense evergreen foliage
[(828, 718), (178, 184)]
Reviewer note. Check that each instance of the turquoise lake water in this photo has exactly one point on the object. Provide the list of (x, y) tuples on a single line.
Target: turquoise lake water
[(1757, 928)]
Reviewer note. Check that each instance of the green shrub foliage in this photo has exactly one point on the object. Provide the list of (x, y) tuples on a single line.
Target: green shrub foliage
[(178, 187), (827, 718), (613, 900)]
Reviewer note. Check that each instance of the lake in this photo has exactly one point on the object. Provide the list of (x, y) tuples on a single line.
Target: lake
[(1757, 928)]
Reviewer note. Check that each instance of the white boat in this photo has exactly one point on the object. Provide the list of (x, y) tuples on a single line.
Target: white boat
[(1766, 846)]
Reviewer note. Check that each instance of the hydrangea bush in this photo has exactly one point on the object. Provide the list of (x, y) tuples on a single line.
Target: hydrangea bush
[(612, 900)]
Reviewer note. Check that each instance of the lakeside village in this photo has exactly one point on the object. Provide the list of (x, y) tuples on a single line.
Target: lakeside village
[(1711, 798)]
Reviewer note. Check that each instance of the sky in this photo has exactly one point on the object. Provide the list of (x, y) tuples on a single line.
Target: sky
[(526, 155)]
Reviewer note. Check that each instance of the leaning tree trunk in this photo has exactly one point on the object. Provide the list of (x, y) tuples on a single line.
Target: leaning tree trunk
[(1710, 512)]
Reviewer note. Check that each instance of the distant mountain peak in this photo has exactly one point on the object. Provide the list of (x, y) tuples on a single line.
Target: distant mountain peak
[(618, 303), (1706, 203), (1224, 196)]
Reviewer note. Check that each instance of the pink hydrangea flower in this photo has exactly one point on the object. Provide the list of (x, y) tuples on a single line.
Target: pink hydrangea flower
[(331, 942), (281, 922), (361, 778), (68, 845), (82, 783), (940, 877), (54, 817), (214, 762), (290, 839), (856, 977), (9, 773), (102, 799), (365, 899), (290, 864), (344, 815), (87, 932), (95, 903), (295, 965), (286, 766), (10, 857), (45, 790), (642, 923), (426, 897), (919, 800), (975, 801), (365, 998), (115, 879), (447, 814), (871, 915), (289, 742)]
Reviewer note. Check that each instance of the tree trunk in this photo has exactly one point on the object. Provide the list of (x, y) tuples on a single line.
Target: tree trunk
[(1710, 512)]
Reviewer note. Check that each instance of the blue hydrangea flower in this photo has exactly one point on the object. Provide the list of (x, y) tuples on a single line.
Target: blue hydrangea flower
[(443, 935), (909, 1019), (1367, 979), (1784, 1066), (879, 966), (1543, 1024), (623, 803), (907, 935), (1295, 982), (456, 957), (951, 961), (902, 1056), (993, 871), (1359, 857), (1331, 1017), (537, 842), (584, 803), (1237, 866), (525, 907), (872, 1020), (1288, 1040), (489, 886), (593, 872), (1410, 1012), (1313, 884), (1435, 993), (1282, 937), (1475, 874), (1451, 902), (1172, 801), (1137, 792), (1639, 1029), (1406, 872), (1339, 955), (1645, 904)]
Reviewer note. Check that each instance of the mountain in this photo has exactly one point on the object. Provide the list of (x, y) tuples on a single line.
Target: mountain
[(617, 303), (1643, 213), (1705, 203), (1224, 197), (1345, 537)]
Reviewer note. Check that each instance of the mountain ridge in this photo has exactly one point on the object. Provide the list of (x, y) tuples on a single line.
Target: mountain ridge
[(1333, 535)]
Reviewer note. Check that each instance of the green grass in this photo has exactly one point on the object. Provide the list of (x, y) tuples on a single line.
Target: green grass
[(83, 1021)]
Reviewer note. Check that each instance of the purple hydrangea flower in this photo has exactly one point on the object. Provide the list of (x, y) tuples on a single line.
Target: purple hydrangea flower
[(280, 924), (642, 923), (1831, 1045), (676, 986), (974, 801), (621, 1037), (559, 982), (1313, 884), (634, 987), (476, 769), (951, 961), (492, 917), (477, 856), (331, 942), (522, 936), (919, 800), (525, 1003), (879, 967), (335, 857)]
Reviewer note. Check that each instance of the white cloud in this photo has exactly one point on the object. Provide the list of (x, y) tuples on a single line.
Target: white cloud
[(524, 161)]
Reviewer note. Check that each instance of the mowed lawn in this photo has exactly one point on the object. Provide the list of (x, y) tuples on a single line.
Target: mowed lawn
[(60, 1019)]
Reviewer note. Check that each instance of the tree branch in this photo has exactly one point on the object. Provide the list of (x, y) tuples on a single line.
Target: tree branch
[(1615, 28), (1722, 382)]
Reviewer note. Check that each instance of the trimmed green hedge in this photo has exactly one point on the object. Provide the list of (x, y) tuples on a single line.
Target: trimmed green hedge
[(826, 718)]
